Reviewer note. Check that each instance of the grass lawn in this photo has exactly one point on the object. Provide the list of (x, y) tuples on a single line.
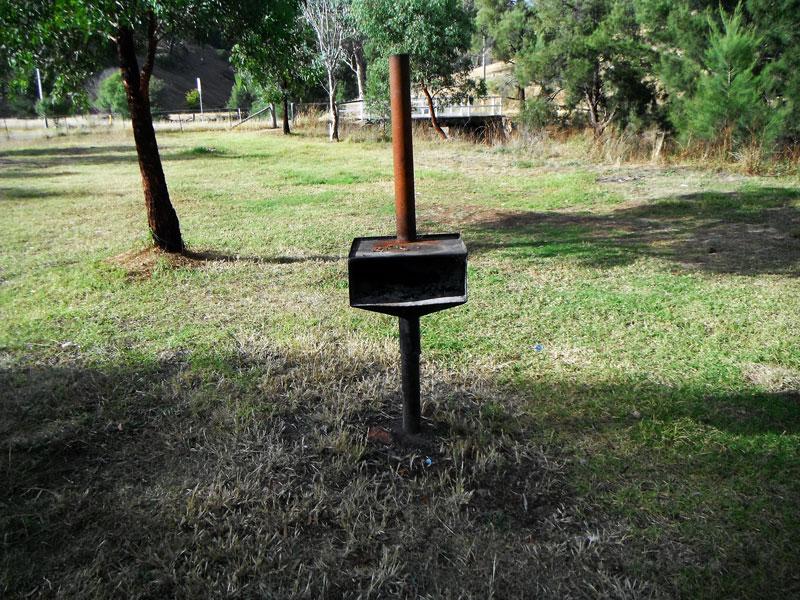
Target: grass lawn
[(614, 413)]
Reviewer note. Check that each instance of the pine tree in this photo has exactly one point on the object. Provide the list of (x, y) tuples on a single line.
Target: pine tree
[(730, 105)]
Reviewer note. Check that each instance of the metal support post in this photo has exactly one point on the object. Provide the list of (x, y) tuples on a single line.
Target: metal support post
[(400, 87), (409, 366), (400, 90)]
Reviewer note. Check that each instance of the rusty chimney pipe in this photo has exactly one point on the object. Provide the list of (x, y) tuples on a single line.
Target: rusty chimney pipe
[(400, 89)]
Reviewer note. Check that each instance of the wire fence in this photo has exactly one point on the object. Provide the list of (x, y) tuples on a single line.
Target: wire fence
[(171, 120), (227, 118)]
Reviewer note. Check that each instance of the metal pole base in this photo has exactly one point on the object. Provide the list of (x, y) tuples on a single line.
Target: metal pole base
[(409, 368)]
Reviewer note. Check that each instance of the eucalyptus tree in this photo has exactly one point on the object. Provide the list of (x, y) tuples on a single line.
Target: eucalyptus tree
[(507, 25), (435, 33), (332, 23), (71, 39), (287, 65)]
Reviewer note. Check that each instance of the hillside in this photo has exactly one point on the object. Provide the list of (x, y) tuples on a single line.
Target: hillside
[(179, 68)]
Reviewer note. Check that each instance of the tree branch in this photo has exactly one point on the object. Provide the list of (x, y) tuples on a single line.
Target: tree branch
[(152, 46)]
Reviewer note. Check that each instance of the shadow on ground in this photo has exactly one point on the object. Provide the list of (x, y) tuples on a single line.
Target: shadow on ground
[(215, 256), (17, 193), (42, 158), (746, 232), (252, 474)]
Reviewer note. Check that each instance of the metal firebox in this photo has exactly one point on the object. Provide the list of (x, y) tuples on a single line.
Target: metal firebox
[(408, 279), (408, 275)]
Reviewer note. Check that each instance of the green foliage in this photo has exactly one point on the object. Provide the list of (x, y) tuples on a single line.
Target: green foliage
[(376, 96), (111, 96), (596, 56), (700, 43), (287, 67), (192, 98), (242, 94), (435, 33), (730, 99), (42, 33), (537, 113), (16, 103), (506, 26), (778, 24), (55, 106)]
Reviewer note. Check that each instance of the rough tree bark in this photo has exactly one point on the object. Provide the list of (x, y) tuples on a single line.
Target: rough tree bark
[(161, 216), (434, 120), (286, 130)]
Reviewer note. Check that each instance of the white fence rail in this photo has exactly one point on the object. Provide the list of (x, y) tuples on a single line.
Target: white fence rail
[(491, 106)]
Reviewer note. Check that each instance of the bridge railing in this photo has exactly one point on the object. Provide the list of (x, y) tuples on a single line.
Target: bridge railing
[(490, 106)]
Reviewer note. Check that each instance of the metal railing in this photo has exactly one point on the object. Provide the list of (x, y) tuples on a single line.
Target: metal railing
[(490, 106)]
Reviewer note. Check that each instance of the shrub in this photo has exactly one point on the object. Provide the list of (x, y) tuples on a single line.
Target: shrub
[(242, 95), (111, 95), (537, 113), (54, 106), (193, 98)]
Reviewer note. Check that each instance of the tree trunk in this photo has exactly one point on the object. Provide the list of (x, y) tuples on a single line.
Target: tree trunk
[(521, 93), (161, 216), (274, 116), (434, 120), (334, 111), (286, 130), (360, 74), (593, 117)]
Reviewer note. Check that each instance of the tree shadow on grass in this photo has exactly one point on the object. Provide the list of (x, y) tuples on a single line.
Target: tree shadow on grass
[(215, 256), (747, 233), (34, 174), (42, 158), (61, 151), (203, 475), (17, 193)]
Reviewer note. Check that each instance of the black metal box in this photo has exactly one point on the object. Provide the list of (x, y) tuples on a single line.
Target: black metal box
[(408, 278)]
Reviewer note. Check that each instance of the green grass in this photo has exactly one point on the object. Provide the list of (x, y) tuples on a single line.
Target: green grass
[(198, 427)]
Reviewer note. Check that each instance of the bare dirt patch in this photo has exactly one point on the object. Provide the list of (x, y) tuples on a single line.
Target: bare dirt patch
[(773, 378)]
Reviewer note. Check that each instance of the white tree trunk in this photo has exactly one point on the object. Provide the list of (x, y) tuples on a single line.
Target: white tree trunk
[(360, 76), (334, 113)]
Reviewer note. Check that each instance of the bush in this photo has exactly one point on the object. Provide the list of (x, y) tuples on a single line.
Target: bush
[(111, 95), (193, 98), (537, 113), (54, 106), (242, 95)]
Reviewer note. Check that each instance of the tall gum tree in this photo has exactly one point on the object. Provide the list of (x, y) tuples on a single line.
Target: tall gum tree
[(506, 25), (287, 66), (71, 39), (333, 27), (435, 33)]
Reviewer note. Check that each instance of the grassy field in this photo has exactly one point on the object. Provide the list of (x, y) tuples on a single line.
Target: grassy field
[(615, 412)]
